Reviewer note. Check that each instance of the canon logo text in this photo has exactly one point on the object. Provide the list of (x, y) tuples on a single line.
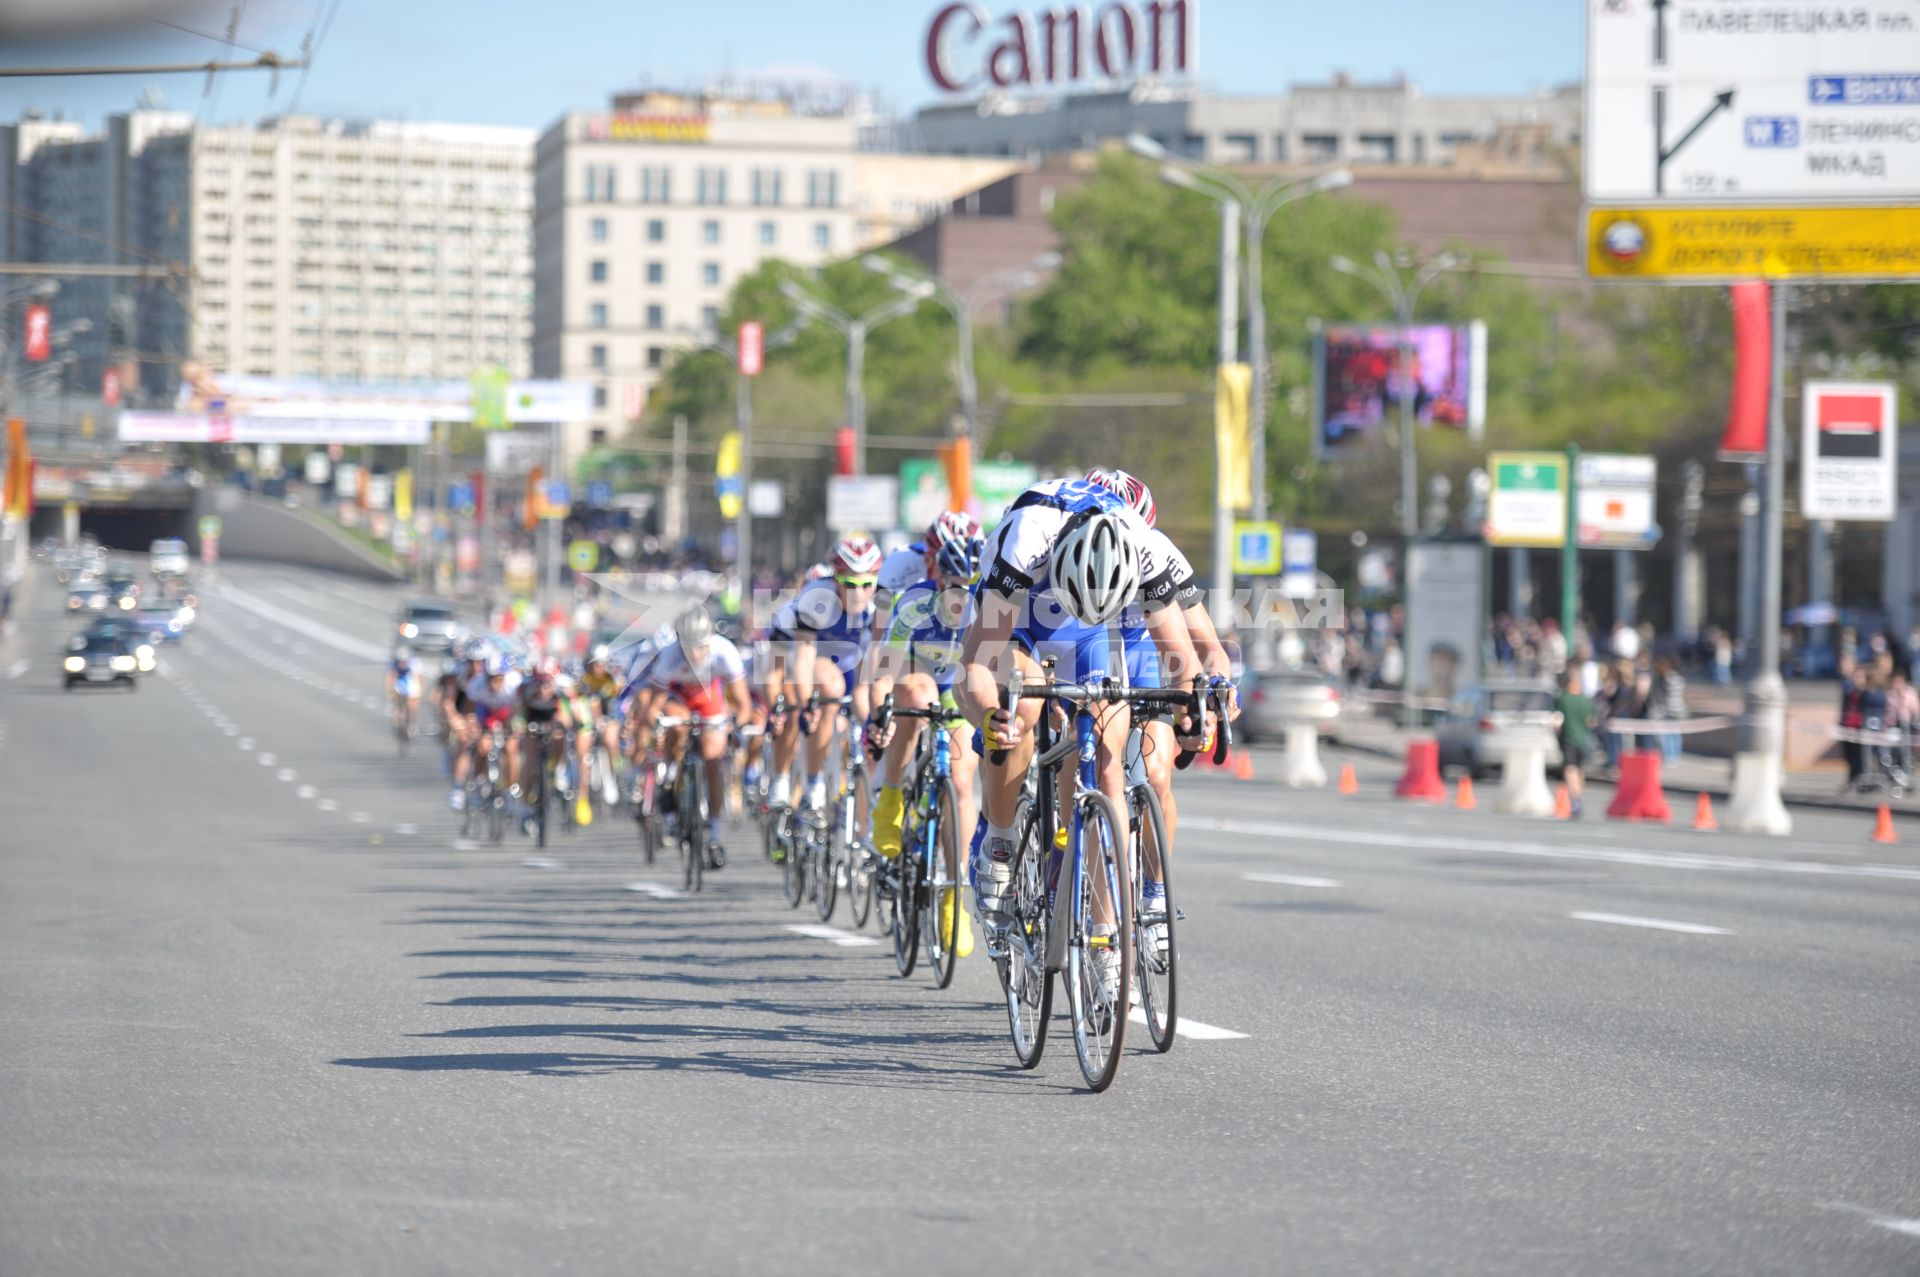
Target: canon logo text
[(968, 49)]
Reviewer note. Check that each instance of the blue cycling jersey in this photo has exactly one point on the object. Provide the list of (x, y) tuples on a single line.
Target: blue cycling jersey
[(931, 642)]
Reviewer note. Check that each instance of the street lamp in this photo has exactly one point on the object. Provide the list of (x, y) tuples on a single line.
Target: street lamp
[(743, 423), (1401, 283), (1255, 209), (962, 304), (855, 329)]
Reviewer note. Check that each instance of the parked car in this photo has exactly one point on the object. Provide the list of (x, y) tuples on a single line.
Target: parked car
[(1270, 698), (1466, 730)]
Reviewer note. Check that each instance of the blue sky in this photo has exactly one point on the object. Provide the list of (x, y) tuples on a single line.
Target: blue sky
[(495, 62)]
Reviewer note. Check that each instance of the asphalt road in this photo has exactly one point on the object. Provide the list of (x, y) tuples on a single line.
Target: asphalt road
[(262, 1014)]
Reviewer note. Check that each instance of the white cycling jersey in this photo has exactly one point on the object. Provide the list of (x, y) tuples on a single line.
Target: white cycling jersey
[(672, 669)]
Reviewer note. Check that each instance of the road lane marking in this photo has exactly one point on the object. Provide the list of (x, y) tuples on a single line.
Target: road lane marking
[(307, 791), (267, 760), (311, 629), (1551, 851), (286, 774), (656, 890), (542, 862), (1185, 1028), (1291, 880), (18, 668), (406, 830), (246, 743), (833, 935), (465, 844), (360, 817), (1892, 1223), (1651, 924), (329, 804)]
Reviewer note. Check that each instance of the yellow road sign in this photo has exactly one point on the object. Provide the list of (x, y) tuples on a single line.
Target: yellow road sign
[(1709, 245)]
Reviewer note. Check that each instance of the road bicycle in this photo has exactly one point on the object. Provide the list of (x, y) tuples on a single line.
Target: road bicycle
[(1061, 925), (919, 889), (486, 804), (693, 801)]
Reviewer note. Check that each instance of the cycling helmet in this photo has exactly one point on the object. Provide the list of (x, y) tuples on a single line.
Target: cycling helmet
[(856, 555), (1129, 489), (1096, 569), (819, 572), (951, 526), (600, 653), (403, 655), (694, 628), (496, 666), (960, 556)]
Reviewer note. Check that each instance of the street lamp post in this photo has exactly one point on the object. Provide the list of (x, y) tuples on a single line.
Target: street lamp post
[(856, 329), (962, 304), (743, 424), (1256, 210)]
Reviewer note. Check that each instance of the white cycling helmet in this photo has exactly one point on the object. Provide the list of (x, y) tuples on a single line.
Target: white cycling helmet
[(1096, 569)]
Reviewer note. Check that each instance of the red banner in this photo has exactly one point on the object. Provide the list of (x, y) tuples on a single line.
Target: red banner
[(1745, 438), (39, 339), (753, 348), (110, 387), (843, 450)]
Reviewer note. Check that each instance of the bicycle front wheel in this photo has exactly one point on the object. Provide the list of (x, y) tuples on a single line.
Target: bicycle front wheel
[(1100, 954), (904, 906), (793, 863), (1155, 963), (826, 880), (943, 896), (1023, 970), (860, 873), (693, 824)]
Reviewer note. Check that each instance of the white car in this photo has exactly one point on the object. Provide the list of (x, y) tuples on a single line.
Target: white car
[(167, 557)]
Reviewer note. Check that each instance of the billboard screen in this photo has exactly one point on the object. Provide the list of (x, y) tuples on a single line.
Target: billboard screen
[(1358, 372)]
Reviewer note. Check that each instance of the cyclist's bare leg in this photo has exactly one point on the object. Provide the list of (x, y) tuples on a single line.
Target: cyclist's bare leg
[(1159, 749)]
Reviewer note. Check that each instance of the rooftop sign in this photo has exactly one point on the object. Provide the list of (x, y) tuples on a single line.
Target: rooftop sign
[(969, 50)]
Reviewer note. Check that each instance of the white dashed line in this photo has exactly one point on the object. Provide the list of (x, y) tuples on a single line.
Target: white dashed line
[(307, 792), (1651, 924), (329, 804), (407, 831), (18, 668), (1291, 880), (1892, 1223), (287, 774), (541, 862), (656, 890), (465, 844), (1185, 1028), (246, 743), (268, 760), (361, 817), (845, 939), (230, 729)]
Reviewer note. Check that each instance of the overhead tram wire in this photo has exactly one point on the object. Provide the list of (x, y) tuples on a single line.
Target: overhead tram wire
[(323, 16)]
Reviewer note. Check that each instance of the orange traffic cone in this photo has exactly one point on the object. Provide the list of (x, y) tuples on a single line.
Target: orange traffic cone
[(1349, 783), (1463, 797), (1883, 827), (1562, 805), (1243, 766), (1703, 815)]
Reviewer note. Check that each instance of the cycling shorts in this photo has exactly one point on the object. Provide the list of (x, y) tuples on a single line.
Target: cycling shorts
[(1081, 653), (491, 718), (702, 701)]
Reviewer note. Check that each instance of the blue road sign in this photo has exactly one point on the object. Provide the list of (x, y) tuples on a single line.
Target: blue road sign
[(599, 494), (1773, 132), (1864, 90)]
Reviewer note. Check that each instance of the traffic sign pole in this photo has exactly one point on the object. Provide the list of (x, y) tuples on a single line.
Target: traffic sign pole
[(1570, 553)]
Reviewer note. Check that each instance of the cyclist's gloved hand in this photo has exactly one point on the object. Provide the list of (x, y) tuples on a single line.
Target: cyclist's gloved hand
[(1000, 729), (1232, 697)]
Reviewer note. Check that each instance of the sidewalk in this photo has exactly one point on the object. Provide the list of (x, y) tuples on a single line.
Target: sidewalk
[(1688, 774)]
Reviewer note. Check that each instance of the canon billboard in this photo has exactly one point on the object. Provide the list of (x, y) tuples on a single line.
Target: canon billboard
[(969, 49)]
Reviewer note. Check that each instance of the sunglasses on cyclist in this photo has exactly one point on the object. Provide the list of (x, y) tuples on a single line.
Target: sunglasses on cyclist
[(857, 582)]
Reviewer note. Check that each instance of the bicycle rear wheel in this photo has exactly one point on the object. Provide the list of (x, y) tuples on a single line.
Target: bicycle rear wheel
[(860, 871), (904, 906), (1154, 957), (537, 800), (1023, 971), (1098, 988), (693, 823), (793, 863)]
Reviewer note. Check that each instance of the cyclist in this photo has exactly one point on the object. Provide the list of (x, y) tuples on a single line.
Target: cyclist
[(1168, 587), (1061, 566), (599, 685), (403, 688), (539, 706), (908, 567), (919, 664), (820, 637), (494, 694), (579, 715), (702, 672), (456, 711)]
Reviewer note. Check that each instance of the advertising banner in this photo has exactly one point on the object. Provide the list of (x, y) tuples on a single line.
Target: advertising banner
[(1444, 617), (866, 502), (1527, 504), (1847, 450), (204, 392), (1359, 376), (175, 427), (924, 492), (1615, 509)]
